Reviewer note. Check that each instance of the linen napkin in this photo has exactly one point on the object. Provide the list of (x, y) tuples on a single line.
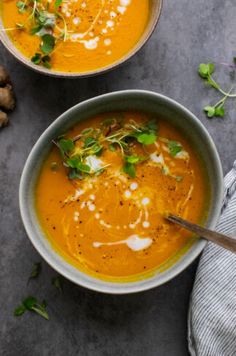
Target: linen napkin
[(212, 311)]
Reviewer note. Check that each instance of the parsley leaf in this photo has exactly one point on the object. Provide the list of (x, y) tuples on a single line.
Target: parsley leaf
[(174, 148)]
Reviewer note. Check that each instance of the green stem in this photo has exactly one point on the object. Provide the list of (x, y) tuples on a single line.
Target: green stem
[(221, 90)]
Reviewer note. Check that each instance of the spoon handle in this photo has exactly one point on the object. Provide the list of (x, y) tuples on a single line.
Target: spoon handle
[(222, 240)]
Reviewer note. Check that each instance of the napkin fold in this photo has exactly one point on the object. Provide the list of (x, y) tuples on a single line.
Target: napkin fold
[(212, 310)]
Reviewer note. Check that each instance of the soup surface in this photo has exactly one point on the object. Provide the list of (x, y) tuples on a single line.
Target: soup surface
[(75, 35), (105, 186)]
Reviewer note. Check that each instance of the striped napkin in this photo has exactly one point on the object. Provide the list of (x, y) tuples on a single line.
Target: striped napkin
[(212, 312)]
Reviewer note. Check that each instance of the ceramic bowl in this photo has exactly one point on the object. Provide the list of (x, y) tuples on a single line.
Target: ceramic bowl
[(160, 106), (155, 11)]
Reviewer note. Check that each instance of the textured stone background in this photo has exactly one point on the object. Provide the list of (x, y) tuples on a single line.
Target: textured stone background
[(83, 322)]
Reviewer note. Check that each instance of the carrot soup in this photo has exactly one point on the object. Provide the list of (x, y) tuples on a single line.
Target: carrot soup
[(75, 35), (104, 189)]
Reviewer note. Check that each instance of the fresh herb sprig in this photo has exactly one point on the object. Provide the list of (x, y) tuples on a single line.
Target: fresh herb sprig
[(31, 304), (205, 71)]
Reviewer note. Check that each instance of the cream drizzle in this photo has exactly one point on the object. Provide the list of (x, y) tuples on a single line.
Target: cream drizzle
[(134, 242)]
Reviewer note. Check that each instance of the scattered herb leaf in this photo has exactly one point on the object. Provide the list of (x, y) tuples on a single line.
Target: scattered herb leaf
[(32, 304), (57, 282), (19, 310), (37, 267), (205, 70)]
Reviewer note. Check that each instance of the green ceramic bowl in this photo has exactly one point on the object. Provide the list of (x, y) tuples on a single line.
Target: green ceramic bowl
[(154, 15), (137, 100)]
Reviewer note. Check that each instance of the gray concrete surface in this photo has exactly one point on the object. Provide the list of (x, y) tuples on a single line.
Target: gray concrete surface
[(82, 322)]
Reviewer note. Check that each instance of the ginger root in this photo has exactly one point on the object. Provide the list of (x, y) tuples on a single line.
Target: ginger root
[(4, 76), (7, 100), (3, 119)]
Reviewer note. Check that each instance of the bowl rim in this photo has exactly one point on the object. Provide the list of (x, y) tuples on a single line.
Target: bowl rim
[(106, 286), (9, 45)]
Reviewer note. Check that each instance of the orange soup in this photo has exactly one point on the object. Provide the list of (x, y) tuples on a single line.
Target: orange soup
[(105, 187), (75, 35)]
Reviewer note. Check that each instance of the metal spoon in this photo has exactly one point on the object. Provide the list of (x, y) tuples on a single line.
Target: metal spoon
[(219, 239)]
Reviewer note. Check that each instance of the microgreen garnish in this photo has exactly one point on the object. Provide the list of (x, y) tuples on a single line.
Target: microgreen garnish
[(57, 282), (80, 152), (205, 70), (37, 267), (174, 148), (33, 305), (46, 22), (43, 60)]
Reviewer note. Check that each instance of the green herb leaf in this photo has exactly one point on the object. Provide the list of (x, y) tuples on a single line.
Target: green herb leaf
[(46, 62), (129, 168), (29, 302), (76, 163), (48, 43), (58, 3), (57, 282), (220, 111), (66, 146), (89, 141), (19, 310), (74, 174), (36, 59), (35, 29), (37, 267), (21, 5), (210, 110), (134, 159), (174, 148), (146, 138), (32, 304), (206, 69), (152, 125)]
